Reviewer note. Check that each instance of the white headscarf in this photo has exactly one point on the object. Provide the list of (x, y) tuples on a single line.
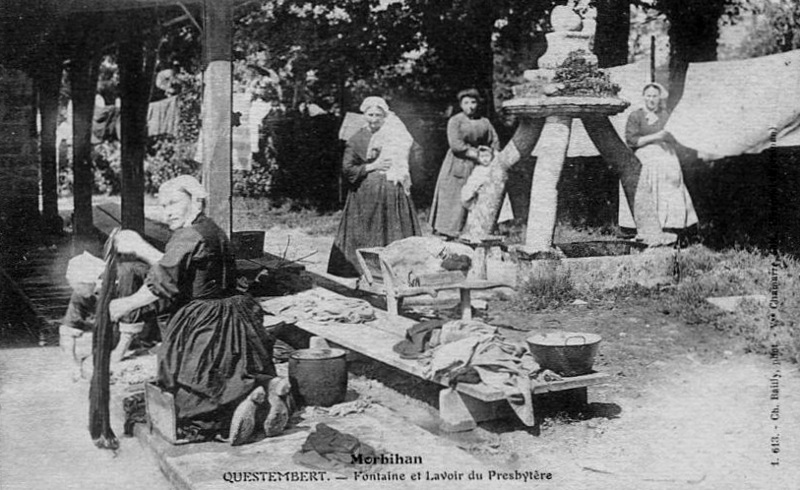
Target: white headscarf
[(394, 142), (374, 101), (187, 184), (662, 103)]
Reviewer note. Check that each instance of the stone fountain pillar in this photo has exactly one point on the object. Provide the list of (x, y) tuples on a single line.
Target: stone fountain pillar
[(542, 111)]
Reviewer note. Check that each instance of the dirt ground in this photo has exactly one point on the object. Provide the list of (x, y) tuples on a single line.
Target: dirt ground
[(685, 406)]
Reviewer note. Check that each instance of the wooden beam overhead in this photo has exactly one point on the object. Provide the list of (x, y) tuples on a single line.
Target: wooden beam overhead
[(11, 8)]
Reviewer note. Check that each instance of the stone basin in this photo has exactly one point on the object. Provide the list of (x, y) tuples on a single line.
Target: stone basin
[(600, 248), (649, 267)]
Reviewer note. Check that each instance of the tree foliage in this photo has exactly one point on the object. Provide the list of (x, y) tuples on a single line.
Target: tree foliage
[(774, 27), (335, 51), (426, 50)]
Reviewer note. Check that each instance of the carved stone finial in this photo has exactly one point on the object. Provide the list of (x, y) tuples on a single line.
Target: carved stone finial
[(570, 33), (565, 19)]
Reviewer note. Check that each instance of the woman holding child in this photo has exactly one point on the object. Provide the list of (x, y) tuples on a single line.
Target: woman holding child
[(472, 139)]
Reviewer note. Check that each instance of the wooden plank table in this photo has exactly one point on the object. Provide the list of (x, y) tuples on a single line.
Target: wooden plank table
[(376, 339)]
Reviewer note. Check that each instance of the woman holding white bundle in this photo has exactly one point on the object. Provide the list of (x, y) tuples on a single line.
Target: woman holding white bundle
[(379, 209)]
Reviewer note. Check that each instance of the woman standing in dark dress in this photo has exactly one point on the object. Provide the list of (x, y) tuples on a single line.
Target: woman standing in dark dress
[(467, 133), (216, 353), (378, 210)]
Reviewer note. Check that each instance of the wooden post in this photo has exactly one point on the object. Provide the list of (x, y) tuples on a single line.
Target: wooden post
[(83, 76), (652, 59), (465, 303), (49, 85), (217, 109), (544, 193), (136, 71)]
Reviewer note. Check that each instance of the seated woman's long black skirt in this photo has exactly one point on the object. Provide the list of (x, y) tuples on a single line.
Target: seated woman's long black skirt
[(215, 352)]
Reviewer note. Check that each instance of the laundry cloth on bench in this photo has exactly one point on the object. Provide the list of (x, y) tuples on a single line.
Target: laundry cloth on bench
[(309, 305), (502, 365), (417, 256)]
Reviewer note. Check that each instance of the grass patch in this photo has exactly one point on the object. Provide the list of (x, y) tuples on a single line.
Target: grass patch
[(547, 291), (260, 214), (701, 273)]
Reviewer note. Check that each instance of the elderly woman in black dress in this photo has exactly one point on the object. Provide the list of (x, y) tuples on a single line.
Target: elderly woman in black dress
[(216, 353), (379, 209)]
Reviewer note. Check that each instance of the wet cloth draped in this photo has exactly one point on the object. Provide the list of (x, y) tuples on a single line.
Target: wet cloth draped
[(728, 107), (661, 171), (377, 212), (215, 351), (502, 365), (310, 305), (463, 134)]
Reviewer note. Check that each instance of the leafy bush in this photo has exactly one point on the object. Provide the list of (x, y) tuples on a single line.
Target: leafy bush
[(189, 104), (581, 78), (106, 171), (256, 182), (107, 167), (169, 157)]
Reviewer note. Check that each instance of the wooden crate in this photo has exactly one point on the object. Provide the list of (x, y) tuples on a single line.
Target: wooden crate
[(161, 412)]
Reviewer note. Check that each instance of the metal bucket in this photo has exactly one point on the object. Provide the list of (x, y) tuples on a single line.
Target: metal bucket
[(318, 376), (565, 353)]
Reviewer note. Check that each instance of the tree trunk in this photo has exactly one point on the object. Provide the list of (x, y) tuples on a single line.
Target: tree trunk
[(693, 34), (484, 65), (613, 29)]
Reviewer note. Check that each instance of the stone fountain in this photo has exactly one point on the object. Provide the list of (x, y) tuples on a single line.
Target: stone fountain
[(545, 113)]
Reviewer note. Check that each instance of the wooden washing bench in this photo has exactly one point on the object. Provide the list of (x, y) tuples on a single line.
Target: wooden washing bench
[(381, 279), (479, 401)]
